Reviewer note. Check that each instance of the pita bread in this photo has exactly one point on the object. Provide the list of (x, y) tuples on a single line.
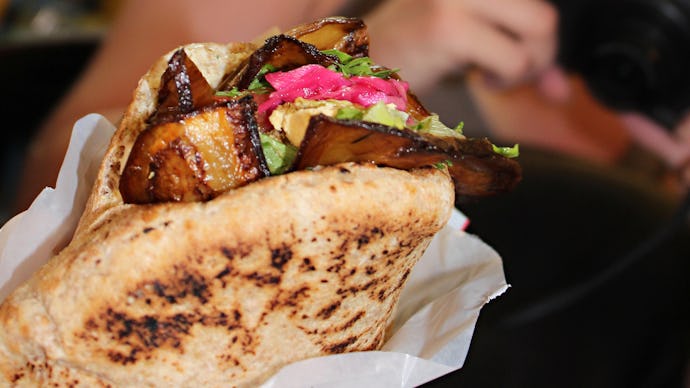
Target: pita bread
[(224, 292)]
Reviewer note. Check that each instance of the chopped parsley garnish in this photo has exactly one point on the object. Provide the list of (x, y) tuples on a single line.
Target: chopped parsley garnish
[(443, 164), (342, 57), (508, 152), (361, 66), (234, 92), (259, 83)]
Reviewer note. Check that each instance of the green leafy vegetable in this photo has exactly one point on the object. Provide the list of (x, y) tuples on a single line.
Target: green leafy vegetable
[(508, 152), (442, 165), (361, 66), (432, 125), (234, 92), (279, 156), (385, 114), (380, 113), (350, 113), (259, 83)]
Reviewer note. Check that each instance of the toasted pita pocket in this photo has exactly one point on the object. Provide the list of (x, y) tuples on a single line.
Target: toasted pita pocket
[(223, 292)]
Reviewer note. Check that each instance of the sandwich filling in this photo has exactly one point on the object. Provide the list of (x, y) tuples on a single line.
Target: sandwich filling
[(295, 106)]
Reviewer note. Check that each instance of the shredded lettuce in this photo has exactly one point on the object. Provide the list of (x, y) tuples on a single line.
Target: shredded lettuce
[(279, 156), (385, 114), (432, 125), (379, 113), (349, 113)]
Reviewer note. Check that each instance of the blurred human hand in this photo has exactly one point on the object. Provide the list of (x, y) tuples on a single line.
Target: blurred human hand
[(510, 41), (671, 146)]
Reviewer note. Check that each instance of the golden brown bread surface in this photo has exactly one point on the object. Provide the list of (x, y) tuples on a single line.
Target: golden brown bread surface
[(227, 291), (224, 292)]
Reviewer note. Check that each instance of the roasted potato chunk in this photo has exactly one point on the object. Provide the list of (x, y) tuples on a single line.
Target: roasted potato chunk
[(197, 158)]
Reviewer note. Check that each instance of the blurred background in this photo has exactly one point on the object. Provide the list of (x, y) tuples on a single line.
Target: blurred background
[(597, 262), (44, 45)]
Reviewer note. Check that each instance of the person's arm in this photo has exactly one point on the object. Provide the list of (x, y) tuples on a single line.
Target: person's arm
[(511, 41), (673, 147), (142, 32)]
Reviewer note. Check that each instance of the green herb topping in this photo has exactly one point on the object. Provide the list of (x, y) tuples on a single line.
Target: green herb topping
[(361, 66), (432, 125), (508, 152), (279, 156), (234, 92), (443, 164), (259, 83)]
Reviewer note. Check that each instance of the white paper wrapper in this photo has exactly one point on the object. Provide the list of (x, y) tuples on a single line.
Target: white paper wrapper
[(432, 328)]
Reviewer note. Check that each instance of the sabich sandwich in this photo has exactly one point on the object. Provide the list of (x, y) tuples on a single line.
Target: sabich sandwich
[(256, 206)]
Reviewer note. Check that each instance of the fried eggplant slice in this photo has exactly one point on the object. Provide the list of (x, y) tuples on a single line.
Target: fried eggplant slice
[(348, 35), (330, 141), (197, 158), (476, 169), (183, 89), (282, 52)]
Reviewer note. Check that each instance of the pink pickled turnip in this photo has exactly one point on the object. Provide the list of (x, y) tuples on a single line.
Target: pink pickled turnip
[(315, 82)]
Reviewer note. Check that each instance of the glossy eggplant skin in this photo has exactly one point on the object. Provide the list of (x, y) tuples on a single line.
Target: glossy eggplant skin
[(348, 35), (478, 171), (475, 168), (183, 90), (195, 159), (283, 53)]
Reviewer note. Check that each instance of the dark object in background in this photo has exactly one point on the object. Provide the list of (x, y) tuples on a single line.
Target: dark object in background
[(34, 74), (633, 54), (564, 224)]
